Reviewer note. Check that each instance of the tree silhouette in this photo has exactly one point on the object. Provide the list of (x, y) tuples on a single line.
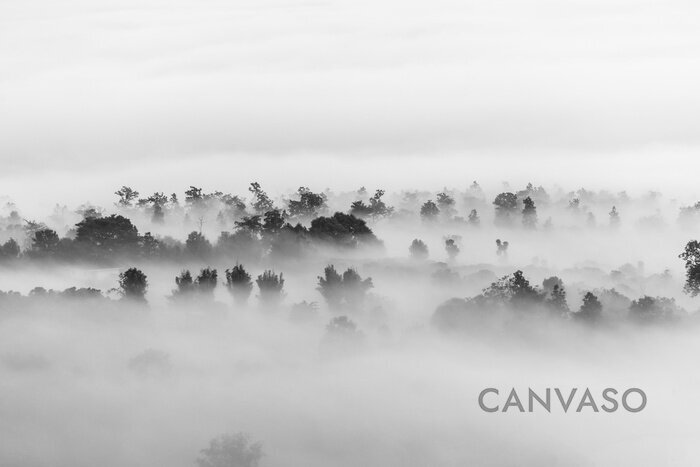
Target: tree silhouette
[(529, 213), (429, 211), (133, 284), (197, 245), (691, 256), (418, 250), (451, 248), (107, 236), (239, 283), (126, 196), (591, 308), (343, 230), (308, 206), (506, 206), (270, 286), (185, 286), (274, 221), (331, 286), (557, 300), (9, 250), (206, 282), (445, 204), (261, 201), (231, 451)]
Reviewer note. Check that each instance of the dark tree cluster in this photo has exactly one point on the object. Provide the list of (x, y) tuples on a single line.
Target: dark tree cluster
[(346, 291), (514, 293)]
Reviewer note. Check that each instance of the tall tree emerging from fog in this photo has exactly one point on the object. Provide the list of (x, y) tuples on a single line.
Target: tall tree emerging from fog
[(529, 213), (126, 196), (691, 256), (418, 250), (270, 286), (591, 308), (506, 207), (231, 451), (429, 211), (133, 284), (239, 283), (261, 201)]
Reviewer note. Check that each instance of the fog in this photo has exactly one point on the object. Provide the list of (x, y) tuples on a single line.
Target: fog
[(102, 379), (502, 189)]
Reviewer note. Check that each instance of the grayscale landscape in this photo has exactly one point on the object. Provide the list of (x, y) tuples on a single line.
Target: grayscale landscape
[(283, 233)]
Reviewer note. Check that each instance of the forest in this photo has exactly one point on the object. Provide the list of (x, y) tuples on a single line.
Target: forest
[(217, 290)]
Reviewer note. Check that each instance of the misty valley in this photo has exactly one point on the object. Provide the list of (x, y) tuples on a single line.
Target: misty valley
[(347, 328)]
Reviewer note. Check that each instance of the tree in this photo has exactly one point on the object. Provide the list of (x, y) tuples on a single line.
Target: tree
[(133, 284), (377, 206), (194, 197), (343, 327), (529, 213), (418, 250), (126, 196), (239, 283), (360, 209), (45, 242), (261, 201), (231, 451), (308, 206), (185, 285), (614, 217), (270, 286), (157, 200), (506, 206), (501, 248), (107, 235), (473, 218), (557, 300), (513, 290), (691, 256), (649, 309), (429, 211), (274, 221), (206, 282), (252, 224), (591, 308), (343, 230), (197, 245), (355, 288), (9, 250), (331, 286), (451, 248), (445, 204)]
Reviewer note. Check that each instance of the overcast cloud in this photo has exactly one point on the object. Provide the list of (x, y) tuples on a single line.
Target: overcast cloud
[(84, 84)]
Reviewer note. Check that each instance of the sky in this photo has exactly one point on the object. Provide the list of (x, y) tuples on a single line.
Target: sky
[(100, 94)]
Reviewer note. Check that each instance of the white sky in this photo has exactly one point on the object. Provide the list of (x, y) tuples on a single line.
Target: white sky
[(94, 95)]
